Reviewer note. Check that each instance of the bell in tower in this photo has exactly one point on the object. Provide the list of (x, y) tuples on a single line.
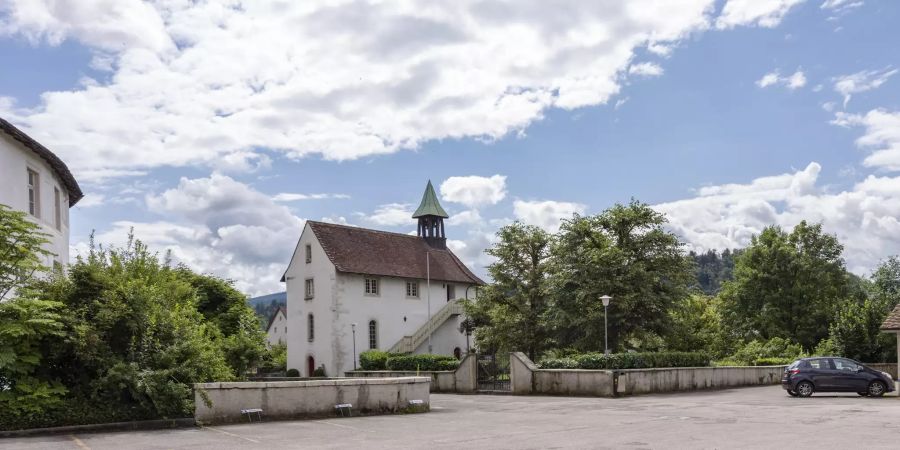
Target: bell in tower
[(431, 219)]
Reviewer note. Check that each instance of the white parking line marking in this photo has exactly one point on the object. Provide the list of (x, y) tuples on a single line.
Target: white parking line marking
[(345, 426), (231, 434)]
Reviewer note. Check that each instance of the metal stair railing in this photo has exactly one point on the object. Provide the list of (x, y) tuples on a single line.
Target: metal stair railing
[(408, 344)]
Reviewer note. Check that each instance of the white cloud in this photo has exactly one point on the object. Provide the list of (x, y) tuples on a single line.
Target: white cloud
[(209, 83), (391, 214), (217, 225), (292, 197), (864, 218), (841, 5), (546, 214), (468, 217), (764, 13), (91, 200), (794, 81), (474, 191), (862, 81), (645, 69), (882, 136)]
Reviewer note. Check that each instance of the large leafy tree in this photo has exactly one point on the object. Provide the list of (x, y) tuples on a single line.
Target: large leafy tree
[(28, 327), (788, 285), (510, 314), (139, 331), (856, 329), (624, 252)]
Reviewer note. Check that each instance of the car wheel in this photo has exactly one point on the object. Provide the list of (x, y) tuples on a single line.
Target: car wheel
[(805, 389), (862, 394), (876, 389), (792, 393)]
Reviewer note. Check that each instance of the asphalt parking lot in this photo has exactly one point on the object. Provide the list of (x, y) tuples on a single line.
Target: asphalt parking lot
[(759, 417)]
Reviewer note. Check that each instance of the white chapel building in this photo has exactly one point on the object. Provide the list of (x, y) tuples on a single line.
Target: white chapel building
[(35, 181), (347, 282)]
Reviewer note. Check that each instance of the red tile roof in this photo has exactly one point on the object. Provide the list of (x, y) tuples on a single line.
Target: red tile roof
[(373, 252), (892, 322)]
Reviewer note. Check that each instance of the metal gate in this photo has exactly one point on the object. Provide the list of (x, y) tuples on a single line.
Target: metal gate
[(493, 373)]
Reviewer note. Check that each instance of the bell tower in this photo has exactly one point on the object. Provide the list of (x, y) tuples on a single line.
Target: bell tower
[(431, 219)]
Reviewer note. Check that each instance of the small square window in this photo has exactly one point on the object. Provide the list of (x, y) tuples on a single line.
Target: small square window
[(412, 289), (310, 289), (371, 286), (308, 253)]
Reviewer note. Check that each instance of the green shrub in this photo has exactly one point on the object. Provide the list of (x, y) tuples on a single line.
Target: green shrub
[(779, 348), (292, 373), (599, 361), (319, 372), (424, 362), (75, 411), (559, 363), (773, 361), (375, 359)]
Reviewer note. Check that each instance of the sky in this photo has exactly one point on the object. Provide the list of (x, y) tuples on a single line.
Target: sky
[(214, 129)]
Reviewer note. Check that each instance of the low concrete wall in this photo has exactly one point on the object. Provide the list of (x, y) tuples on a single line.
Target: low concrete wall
[(526, 378), (223, 402), (596, 383), (646, 381), (443, 381), (462, 380)]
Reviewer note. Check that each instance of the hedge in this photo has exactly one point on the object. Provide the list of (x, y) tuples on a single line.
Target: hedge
[(425, 362), (627, 361), (375, 359), (773, 361), (74, 411)]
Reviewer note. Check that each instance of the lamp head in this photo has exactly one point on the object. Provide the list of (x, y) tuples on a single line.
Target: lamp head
[(605, 299)]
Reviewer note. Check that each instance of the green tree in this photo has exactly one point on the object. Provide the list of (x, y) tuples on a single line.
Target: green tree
[(510, 314), (624, 252), (697, 327), (787, 285), (855, 332), (136, 336), (27, 328), (885, 284), (243, 340), (21, 250)]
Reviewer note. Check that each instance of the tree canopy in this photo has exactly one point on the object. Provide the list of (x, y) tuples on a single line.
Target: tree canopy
[(126, 332)]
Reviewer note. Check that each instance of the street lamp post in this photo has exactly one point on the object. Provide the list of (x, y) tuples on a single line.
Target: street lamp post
[(353, 329), (605, 299)]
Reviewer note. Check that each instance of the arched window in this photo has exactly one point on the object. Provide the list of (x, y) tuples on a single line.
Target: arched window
[(311, 322), (373, 335)]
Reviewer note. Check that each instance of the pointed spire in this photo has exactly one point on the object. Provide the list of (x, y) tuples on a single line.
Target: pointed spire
[(430, 205)]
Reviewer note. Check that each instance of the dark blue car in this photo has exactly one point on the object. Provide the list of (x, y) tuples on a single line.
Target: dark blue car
[(833, 374)]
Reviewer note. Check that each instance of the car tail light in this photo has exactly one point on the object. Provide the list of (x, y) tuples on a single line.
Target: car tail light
[(794, 371)]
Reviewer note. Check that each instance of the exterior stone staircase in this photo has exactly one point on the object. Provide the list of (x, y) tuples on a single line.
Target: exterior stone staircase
[(408, 344)]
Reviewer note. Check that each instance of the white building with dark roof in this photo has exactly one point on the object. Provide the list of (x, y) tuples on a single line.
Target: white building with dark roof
[(35, 181), (276, 332), (348, 282)]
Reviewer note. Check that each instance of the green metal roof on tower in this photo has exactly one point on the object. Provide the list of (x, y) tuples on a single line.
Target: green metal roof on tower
[(430, 205)]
